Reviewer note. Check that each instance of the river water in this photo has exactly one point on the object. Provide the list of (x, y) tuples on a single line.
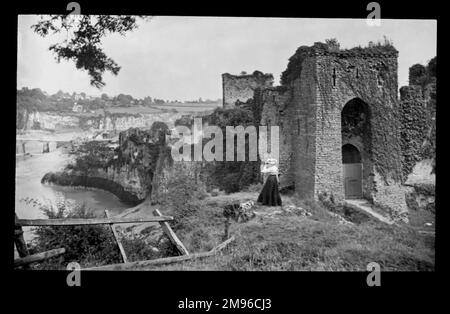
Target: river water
[(29, 190)]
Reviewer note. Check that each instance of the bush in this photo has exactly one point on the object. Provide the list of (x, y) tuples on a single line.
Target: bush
[(91, 245), (87, 245), (180, 197)]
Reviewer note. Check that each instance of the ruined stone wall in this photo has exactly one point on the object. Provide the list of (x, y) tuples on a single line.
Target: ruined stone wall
[(418, 124), (371, 78), (273, 100), (414, 125), (303, 112), (322, 82), (242, 87), (318, 83)]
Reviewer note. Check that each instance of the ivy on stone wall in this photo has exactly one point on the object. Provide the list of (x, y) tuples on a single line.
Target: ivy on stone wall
[(415, 121), (385, 129), (228, 176), (233, 176), (294, 67), (383, 140), (418, 107)]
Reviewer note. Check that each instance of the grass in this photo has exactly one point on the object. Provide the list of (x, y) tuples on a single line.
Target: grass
[(277, 242), (316, 243)]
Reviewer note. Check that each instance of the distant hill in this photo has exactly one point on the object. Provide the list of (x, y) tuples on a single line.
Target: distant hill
[(37, 100)]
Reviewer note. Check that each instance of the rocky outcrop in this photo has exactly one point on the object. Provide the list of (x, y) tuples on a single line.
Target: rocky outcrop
[(127, 170), (140, 167), (104, 121)]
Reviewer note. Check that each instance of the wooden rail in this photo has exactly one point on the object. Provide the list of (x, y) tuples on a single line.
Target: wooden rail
[(160, 261), (38, 257), (171, 235), (90, 221), (116, 237), (162, 220)]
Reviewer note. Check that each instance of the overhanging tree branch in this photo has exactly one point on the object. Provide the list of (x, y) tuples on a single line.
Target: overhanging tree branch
[(84, 47)]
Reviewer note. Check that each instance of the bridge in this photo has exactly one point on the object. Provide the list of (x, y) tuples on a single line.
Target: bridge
[(41, 145)]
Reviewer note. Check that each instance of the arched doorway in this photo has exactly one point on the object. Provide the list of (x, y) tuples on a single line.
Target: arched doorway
[(352, 171), (356, 149)]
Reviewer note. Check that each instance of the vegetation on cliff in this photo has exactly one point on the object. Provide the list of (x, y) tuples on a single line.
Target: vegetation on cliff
[(91, 156)]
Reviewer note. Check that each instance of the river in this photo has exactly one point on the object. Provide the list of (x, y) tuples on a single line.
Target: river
[(29, 190)]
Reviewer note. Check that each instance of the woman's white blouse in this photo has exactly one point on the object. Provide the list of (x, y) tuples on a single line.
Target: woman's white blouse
[(270, 169)]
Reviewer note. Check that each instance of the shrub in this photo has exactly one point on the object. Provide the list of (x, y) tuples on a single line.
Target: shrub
[(180, 197), (87, 245), (90, 245)]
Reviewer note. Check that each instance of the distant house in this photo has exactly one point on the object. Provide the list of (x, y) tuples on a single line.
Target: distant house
[(77, 108)]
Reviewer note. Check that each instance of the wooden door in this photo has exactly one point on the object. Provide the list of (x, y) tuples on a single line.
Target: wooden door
[(353, 180)]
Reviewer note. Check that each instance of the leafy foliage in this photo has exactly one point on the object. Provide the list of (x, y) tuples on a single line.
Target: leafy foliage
[(91, 245), (91, 156), (233, 176), (294, 67), (422, 75), (87, 245), (180, 196), (84, 47), (418, 131)]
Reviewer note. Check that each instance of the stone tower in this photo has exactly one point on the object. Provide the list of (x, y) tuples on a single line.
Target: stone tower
[(241, 87), (339, 130)]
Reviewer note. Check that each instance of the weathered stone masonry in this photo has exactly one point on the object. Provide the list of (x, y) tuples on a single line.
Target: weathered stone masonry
[(241, 87), (309, 110)]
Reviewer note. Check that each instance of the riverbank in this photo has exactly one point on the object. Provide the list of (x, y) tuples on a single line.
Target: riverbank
[(30, 192), (77, 180)]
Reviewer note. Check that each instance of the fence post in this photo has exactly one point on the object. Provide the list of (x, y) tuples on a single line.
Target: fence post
[(116, 237), (20, 241), (171, 235)]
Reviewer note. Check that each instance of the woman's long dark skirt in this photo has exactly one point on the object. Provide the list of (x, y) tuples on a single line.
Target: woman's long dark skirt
[(270, 196)]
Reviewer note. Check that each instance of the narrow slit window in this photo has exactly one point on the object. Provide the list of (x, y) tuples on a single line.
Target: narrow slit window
[(334, 77)]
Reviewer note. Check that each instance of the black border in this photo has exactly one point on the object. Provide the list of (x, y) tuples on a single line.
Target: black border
[(288, 290)]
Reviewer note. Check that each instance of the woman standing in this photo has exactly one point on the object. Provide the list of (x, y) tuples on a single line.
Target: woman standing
[(270, 196)]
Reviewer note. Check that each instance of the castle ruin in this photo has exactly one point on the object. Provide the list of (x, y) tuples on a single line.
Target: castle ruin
[(240, 88), (339, 125)]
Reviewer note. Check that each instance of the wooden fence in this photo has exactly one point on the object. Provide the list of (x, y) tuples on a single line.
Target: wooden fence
[(26, 259)]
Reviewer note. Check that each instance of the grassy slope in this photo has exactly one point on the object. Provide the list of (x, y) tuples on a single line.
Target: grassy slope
[(286, 241)]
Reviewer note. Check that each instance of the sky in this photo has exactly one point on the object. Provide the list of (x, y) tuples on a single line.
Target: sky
[(182, 58)]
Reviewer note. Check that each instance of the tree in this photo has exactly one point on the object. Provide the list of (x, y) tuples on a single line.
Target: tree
[(84, 47), (148, 101), (417, 74), (124, 100), (431, 67), (333, 44)]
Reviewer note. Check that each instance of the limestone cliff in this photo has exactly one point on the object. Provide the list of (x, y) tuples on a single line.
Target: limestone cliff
[(102, 121), (127, 170)]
